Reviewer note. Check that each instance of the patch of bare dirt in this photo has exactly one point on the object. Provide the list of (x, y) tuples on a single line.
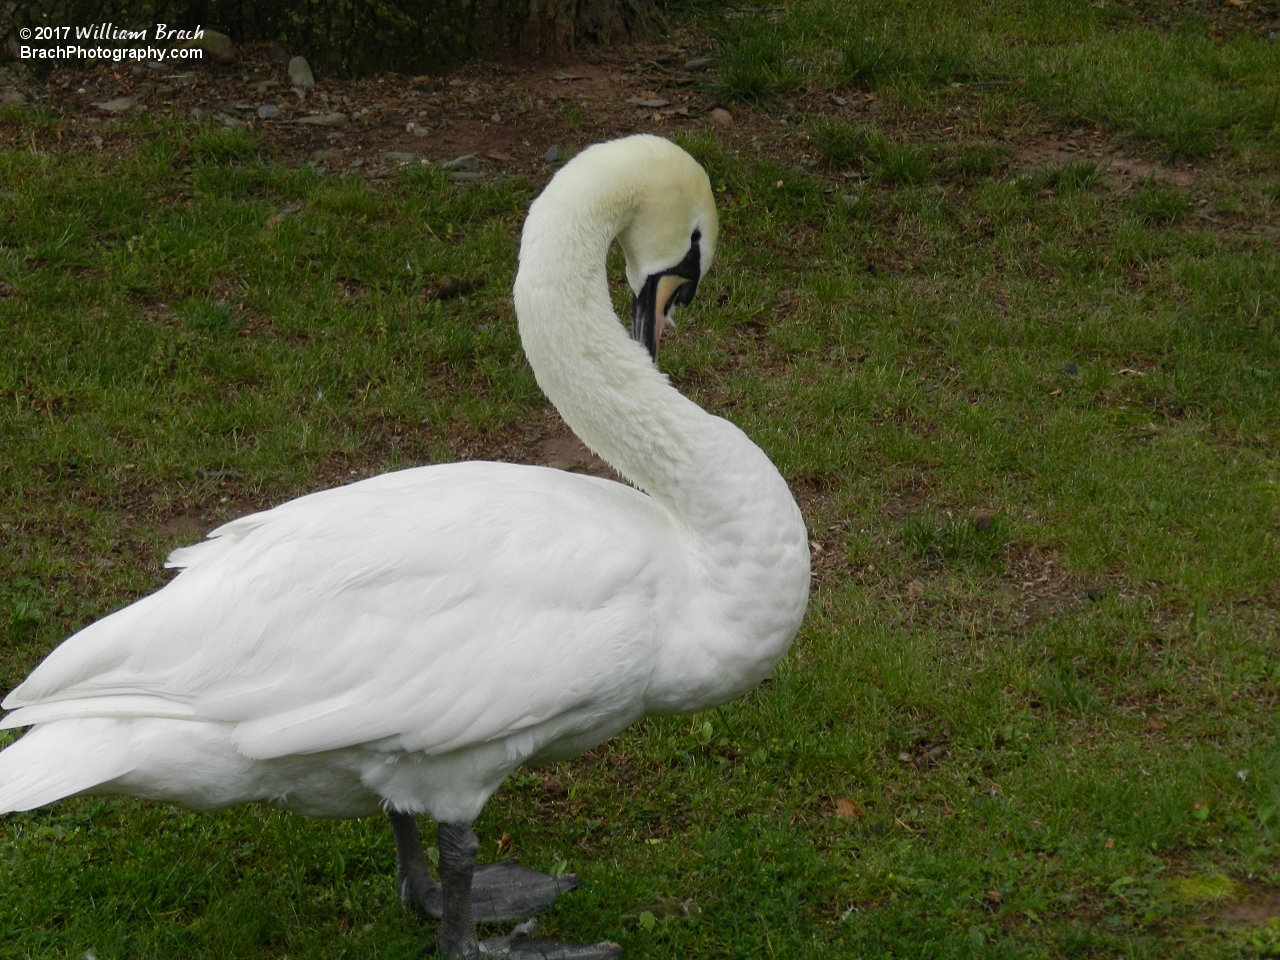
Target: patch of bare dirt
[(1120, 170), (1260, 904), (1041, 585), (185, 526)]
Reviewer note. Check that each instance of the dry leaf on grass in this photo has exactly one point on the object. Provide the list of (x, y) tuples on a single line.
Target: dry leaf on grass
[(848, 809)]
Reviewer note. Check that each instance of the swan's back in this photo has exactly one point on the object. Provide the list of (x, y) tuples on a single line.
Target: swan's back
[(435, 608)]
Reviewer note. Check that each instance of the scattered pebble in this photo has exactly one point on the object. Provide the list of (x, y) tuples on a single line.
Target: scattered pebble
[(552, 154), (650, 102), (698, 63), (838, 100), (12, 97), (1069, 369), (327, 155), (467, 161), (496, 118), (117, 105), (325, 120), (357, 162), (269, 112), (399, 157), (417, 129), (465, 175), (721, 117), (217, 45), (300, 73)]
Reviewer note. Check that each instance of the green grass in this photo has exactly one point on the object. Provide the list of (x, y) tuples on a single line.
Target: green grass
[(1056, 732), (1167, 80)]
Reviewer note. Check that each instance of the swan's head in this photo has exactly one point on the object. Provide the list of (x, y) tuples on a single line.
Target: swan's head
[(650, 196), (670, 240)]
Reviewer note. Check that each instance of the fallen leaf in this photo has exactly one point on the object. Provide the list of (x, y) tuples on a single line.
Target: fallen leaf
[(848, 809)]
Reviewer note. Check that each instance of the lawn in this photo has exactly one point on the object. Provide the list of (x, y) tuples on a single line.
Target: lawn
[(1028, 402)]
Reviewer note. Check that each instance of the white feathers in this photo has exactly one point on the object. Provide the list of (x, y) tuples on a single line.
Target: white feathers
[(408, 640)]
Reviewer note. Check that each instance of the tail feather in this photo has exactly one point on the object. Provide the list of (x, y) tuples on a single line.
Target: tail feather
[(60, 759)]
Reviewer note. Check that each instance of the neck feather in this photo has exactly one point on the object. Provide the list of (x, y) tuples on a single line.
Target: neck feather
[(603, 383)]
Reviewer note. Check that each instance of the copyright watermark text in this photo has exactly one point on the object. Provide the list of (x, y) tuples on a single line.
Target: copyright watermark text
[(108, 33)]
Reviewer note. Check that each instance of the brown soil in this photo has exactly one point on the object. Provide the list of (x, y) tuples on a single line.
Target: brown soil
[(510, 116), (1260, 904)]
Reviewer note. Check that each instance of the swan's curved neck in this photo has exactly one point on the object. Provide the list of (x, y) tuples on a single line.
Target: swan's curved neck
[(748, 548), (602, 382)]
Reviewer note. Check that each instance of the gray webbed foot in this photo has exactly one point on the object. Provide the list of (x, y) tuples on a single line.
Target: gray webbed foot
[(520, 946), (499, 891), (507, 891)]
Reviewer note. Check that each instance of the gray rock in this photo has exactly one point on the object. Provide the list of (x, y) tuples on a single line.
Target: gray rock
[(324, 156), (118, 105), (552, 154), (269, 112), (464, 176), (12, 97), (653, 103), (197, 113), (229, 121), (300, 72), (216, 45), (417, 129), (399, 157), (465, 162), (278, 54), (357, 162), (325, 120), (698, 63)]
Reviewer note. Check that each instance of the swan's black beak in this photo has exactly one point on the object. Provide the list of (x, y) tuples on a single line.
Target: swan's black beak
[(662, 292)]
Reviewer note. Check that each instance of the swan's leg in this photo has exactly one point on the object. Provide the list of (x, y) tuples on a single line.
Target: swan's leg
[(458, 849), (457, 937), (499, 891), (417, 886)]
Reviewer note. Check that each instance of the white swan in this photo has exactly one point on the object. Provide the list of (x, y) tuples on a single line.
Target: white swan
[(404, 643)]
